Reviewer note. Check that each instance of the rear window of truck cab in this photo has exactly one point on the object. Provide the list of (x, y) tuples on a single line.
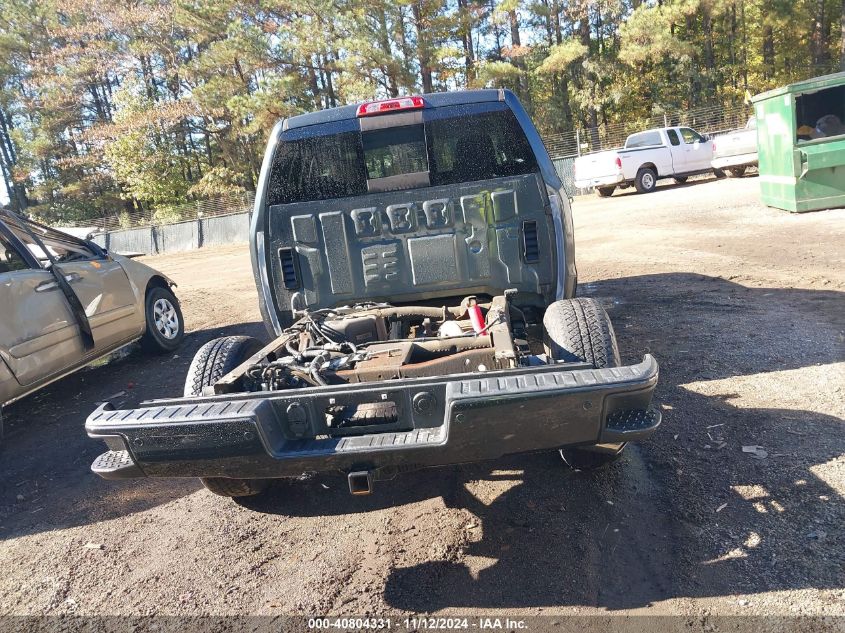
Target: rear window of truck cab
[(451, 145), (643, 139)]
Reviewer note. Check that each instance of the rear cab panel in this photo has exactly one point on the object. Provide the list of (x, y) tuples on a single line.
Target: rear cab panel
[(453, 197)]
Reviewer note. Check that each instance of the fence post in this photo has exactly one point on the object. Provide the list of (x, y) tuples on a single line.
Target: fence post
[(577, 142), (665, 120)]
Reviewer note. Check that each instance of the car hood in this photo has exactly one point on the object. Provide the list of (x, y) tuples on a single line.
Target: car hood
[(138, 272)]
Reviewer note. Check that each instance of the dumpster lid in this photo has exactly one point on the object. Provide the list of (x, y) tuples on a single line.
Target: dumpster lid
[(808, 85)]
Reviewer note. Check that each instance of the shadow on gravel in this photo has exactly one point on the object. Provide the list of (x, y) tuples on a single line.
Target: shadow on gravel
[(668, 184), (644, 530), (45, 481), (687, 514), (704, 328)]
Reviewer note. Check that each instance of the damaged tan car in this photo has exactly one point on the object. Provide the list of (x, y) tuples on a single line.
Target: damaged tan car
[(65, 302)]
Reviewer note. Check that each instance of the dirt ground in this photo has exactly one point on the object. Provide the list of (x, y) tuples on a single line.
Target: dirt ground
[(743, 306)]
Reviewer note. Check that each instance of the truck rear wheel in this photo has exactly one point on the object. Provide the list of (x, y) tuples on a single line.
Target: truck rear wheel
[(579, 330), (646, 180), (217, 358), (212, 361), (605, 192)]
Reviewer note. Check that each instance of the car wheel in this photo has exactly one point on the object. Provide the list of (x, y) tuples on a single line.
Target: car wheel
[(579, 330), (212, 361), (681, 179), (736, 172), (605, 192), (165, 325), (646, 180), (719, 173)]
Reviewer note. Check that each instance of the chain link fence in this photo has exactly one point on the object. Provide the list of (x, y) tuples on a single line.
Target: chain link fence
[(225, 205)]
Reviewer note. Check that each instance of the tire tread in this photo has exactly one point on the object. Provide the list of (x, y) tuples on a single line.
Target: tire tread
[(580, 330), (215, 359), (212, 361)]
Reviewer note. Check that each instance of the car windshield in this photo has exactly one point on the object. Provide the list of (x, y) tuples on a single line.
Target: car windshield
[(62, 247)]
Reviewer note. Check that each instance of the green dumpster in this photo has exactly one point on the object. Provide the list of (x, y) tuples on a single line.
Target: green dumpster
[(801, 144)]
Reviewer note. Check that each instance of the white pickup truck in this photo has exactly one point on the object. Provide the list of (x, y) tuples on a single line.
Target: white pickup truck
[(735, 151), (668, 152)]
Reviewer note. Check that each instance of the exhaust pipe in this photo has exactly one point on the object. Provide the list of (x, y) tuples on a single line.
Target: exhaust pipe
[(360, 482)]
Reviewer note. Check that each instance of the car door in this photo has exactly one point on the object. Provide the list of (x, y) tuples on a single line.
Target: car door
[(39, 333), (699, 151), (678, 151), (37, 330)]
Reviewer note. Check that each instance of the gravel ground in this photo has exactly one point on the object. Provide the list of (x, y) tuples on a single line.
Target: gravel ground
[(743, 307)]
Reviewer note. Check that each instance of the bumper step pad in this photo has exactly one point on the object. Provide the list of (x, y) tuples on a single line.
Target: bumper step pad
[(631, 424), (116, 465)]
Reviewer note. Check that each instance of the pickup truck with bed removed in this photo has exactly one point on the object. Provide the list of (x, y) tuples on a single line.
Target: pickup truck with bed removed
[(415, 269), (671, 152)]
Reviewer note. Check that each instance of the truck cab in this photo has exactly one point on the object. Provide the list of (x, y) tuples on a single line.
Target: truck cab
[(648, 156), (445, 194)]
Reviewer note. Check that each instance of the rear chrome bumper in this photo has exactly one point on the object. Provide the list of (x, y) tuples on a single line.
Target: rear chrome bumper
[(465, 418)]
